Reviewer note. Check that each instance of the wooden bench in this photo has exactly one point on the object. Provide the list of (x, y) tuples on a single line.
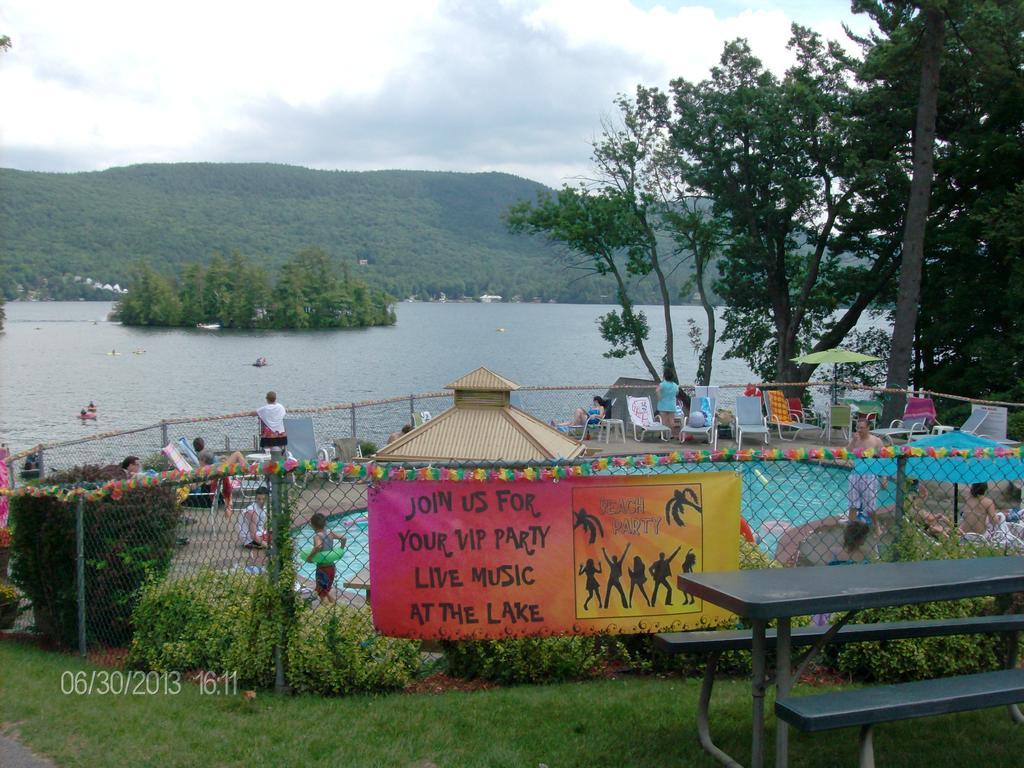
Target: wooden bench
[(866, 707), (716, 642)]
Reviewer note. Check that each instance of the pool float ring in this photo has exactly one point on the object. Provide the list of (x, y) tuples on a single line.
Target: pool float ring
[(87, 416), (746, 531), (324, 558)]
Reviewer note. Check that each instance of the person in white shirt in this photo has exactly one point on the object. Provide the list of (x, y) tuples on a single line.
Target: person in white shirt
[(252, 523), (271, 416)]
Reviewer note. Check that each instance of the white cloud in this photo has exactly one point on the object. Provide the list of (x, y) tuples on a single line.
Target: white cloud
[(515, 85)]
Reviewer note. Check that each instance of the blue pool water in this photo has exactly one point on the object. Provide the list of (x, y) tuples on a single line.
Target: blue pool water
[(357, 548), (777, 495)]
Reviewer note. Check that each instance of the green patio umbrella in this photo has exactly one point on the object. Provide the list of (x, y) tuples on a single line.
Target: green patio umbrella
[(836, 357)]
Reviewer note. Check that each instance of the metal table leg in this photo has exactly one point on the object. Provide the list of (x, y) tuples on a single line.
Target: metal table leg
[(703, 724), (757, 685), (783, 682)]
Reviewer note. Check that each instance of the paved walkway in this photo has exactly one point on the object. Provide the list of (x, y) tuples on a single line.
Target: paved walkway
[(14, 755)]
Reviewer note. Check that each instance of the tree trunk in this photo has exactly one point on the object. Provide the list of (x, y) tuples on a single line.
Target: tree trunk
[(627, 312), (708, 355), (666, 301), (917, 213)]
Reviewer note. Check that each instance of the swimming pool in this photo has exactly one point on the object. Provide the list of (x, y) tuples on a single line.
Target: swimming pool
[(780, 495), (357, 549)]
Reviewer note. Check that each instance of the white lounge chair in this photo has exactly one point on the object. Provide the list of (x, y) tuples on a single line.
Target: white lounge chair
[(750, 419), (302, 440), (641, 415), (710, 428), (780, 417), (905, 428)]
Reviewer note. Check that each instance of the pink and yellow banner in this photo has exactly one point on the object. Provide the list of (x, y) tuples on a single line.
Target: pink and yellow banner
[(583, 555)]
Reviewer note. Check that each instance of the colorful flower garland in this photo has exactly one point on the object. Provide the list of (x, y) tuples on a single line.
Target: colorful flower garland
[(382, 471)]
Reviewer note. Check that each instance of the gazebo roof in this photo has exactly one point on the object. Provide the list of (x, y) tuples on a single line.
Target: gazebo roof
[(483, 379), (482, 429)]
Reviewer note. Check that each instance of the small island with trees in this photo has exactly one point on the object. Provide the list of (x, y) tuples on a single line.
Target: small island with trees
[(235, 292)]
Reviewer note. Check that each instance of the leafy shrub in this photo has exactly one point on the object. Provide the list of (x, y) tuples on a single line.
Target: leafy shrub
[(126, 540), (230, 622), (526, 659), (367, 448), (896, 660), (334, 650), (219, 622)]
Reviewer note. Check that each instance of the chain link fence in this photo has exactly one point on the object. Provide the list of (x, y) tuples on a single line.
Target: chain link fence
[(168, 574)]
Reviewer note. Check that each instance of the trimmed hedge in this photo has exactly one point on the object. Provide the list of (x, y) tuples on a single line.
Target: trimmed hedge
[(127, 540)]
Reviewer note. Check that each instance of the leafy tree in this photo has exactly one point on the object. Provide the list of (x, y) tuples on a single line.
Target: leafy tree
[(236, 294), (785, 164), (151, 300), (968, 339), (700, 233), (892, 18), (597, 226)]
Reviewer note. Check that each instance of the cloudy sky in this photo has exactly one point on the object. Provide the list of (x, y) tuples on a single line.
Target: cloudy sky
[(468, 85)]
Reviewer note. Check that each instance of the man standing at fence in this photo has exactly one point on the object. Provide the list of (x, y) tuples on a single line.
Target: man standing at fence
[(862, 488), (271, 416)]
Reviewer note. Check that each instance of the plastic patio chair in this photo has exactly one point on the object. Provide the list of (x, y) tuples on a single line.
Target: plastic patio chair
[(780, 417), (906, 428), (710, 428), (750, 419), (641, 415), (839, 417)]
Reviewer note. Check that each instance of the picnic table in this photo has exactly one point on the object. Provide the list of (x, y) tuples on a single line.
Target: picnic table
[(781, 593)]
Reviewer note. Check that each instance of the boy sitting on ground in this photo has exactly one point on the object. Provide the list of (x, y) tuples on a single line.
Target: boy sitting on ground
[(323, 541)]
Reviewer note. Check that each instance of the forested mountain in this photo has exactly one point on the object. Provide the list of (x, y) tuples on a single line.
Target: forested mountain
[(419, 232)]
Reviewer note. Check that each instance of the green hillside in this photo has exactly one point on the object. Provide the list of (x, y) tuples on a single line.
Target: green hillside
[(419, 232)]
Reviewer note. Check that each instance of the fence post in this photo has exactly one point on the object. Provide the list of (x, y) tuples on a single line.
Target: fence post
[(163, 434), (276, 489), (40, 464), (353, 421), (80, 570), (412, 409), (901, 480)]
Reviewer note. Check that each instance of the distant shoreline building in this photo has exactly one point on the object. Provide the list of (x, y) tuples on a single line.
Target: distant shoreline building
[(487, 298)]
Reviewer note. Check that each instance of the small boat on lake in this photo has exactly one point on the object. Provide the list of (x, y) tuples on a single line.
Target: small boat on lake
[(261, 362), (209, 326)]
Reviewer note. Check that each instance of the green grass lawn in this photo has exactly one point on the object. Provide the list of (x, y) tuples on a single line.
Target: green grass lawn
[(624, 722)]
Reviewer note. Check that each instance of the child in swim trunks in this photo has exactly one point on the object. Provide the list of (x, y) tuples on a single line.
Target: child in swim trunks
[(323, 541)]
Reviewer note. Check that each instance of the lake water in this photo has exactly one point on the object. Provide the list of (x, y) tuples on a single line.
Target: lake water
[(54, 359)]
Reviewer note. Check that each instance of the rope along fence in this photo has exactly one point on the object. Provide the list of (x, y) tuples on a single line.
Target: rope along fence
[(369, 423)]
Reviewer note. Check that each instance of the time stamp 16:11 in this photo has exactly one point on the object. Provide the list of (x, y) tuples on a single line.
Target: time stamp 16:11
[(102, 682)]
